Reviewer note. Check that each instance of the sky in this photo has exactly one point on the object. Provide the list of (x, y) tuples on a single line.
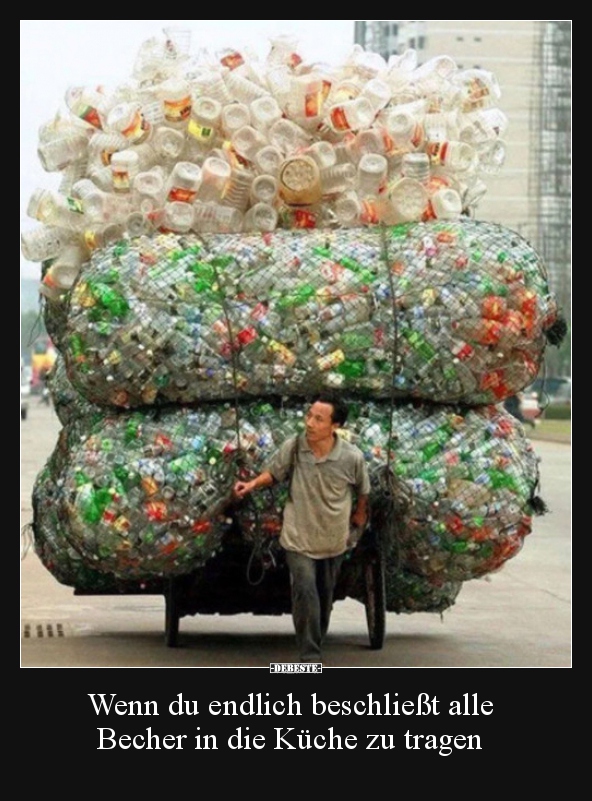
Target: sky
[(56, 54)]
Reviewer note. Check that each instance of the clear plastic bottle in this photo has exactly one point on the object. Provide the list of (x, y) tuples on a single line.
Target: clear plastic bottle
[(139, 223), (56, 154), (288, 137), (178, 216), (416, 166), (248, 141), (456, 156), (243, 90), (99, 205), (103, 145), (404, 129), (51, 208), (323, 153), (215, 175), (372, 140), (338, 178), (124, 168), (260, 217), (44, 242), (102, 236), (210, 83), (268, 160), (264, 189), (168, 143), (127, 119), (205, 119), (371, 174), (306, 97), (478, 89), (238, 189), (148, 189), (408, 199), (175, 96), (66, 267), (183, 182), (87, 104), (352, 115), (300, 181), (147, 156), (378, 92), (215, 218), (348, 208), (233, 117), (264, 112), (446, 204)]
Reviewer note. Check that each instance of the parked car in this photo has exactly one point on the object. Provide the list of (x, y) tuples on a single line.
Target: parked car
[(547, 396)]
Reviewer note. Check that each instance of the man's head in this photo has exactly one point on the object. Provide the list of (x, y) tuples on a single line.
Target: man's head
[(325, 415)]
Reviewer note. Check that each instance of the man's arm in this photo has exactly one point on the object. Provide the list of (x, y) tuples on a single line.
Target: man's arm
[(359, 516), (264, 479)]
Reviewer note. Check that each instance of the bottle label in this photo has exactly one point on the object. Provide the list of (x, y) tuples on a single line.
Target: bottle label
[(232, 60), (437, 151), (339, 119), (138, 129), (91, 115), (182, 195), (121, 180), (330, 360), (313, 102), (74, 205), (201, 132), (177, 110), (369, 214)]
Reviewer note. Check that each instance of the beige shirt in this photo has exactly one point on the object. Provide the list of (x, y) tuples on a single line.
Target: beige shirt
[(317, 515)]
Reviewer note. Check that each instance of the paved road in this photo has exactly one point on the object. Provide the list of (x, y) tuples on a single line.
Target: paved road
[(518, 617)]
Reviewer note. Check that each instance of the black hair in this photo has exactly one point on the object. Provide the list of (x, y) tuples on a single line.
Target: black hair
[(340, 408)]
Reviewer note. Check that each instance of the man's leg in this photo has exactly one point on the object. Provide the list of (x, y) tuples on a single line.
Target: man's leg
[(306, 609), (327, 574)]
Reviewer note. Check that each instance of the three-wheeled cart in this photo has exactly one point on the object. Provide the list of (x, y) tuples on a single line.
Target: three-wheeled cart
[(242, 578)]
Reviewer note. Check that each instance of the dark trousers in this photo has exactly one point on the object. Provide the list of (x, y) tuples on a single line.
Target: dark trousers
[(312, 582)]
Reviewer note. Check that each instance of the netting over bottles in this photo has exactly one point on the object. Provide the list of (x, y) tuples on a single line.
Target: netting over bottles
[(144, 493), (450, 312), (230, 237)]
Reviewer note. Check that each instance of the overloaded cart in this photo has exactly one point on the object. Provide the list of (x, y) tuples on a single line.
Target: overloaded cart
[(193, 326)]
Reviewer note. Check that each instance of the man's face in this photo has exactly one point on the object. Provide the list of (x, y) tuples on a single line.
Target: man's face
[(319, 423)]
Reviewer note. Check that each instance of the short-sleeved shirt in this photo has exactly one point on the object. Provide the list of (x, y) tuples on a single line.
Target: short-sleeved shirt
[(317, 514)]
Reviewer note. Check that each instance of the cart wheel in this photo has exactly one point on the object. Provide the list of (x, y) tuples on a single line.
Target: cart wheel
[(171, 614), (375, 598)]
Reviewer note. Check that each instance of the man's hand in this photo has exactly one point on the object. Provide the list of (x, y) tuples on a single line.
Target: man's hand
[(358, 519), (354, 537), (242, 488)]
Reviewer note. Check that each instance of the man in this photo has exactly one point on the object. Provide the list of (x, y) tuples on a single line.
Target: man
[(320, 522)]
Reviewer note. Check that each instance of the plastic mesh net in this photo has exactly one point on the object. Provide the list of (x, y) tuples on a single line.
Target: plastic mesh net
[(147, 493), (448, 312)]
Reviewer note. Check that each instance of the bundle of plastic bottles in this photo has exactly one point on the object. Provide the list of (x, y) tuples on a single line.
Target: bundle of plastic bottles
[(231, 236), (450, 312), (144, 493), (232, 143)]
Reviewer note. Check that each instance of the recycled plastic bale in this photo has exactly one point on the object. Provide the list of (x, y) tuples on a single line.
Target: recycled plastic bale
[(68, 404), (451, 312), (147, 493)]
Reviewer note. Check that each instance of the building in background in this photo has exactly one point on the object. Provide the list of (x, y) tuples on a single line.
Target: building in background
[(531, 60)]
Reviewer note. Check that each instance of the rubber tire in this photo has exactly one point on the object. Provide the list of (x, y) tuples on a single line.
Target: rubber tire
[(23, 414), (375, 602), (172, 616)]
